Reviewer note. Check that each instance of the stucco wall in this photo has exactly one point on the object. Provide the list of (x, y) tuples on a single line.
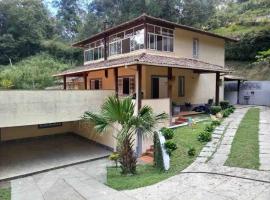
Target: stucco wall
[(21, 108), (20, 132), (211, 49)]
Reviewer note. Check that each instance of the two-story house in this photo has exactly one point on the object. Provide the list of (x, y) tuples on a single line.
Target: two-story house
[(155, 57)]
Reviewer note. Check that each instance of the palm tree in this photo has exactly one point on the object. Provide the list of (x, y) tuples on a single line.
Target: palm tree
[(120, 115)]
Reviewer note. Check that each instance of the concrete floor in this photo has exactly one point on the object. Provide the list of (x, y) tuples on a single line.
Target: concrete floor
[(21, 157)]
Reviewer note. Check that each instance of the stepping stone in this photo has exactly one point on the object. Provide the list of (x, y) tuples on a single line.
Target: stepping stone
[(205, 154)]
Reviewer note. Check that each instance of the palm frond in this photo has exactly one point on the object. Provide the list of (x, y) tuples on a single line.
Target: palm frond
[(101, 124)]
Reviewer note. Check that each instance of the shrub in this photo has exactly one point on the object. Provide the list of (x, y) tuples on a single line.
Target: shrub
[(158, 158), (205, 136), (215, 123), (226, 113), (209, 128), (114, 157), (191, 151), (167, 133), (170, 146), (224, 105), (215, 109)]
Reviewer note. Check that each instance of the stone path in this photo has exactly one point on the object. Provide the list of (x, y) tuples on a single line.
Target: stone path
[(264, 138), (217, 150)]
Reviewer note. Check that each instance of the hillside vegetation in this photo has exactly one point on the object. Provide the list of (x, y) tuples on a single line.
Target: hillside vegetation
[(33, 41)]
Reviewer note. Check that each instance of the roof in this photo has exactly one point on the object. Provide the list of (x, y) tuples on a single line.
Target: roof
[(234, 77), (148, 19), (146, 59)]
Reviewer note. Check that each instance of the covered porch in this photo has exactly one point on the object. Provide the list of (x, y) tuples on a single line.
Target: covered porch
[(154, 77)]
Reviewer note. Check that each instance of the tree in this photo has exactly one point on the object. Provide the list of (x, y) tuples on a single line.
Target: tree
[(68, 16), (120, 116), (23, 24)]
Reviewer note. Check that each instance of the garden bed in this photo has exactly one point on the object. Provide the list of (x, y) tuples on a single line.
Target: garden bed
[(185, 137)]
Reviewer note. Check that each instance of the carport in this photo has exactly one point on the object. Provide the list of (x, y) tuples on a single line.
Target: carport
[(41, 131), (33, 155)]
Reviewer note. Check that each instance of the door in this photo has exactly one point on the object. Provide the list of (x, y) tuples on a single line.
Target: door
[(159, 87)]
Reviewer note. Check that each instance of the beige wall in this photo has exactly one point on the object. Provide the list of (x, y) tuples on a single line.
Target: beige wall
[(20, 132), (21, 108), (211, 49), (87, 130)]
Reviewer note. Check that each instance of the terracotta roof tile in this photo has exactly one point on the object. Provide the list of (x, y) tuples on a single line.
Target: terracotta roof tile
[(146, 59)]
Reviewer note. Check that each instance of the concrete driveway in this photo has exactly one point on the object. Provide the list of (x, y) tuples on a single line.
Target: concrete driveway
[(33, 155)]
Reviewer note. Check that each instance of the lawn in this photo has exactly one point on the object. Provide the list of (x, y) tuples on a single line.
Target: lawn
[(148, 175), (245, 147), (5, 194)]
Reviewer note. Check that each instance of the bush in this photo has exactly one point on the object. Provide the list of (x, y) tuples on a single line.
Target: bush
[(224, 105), (215, 123), (209, 128), (226, 113), (170, 146), (114, 157), (167, 133), (191, 151), (158, 158), (205, 136), (215, 109)]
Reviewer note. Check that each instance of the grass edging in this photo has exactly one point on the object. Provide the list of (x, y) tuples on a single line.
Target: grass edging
[(245, 146)]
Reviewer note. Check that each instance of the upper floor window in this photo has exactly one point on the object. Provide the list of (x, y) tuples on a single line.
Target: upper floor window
[(95, 51), (160, 38), (127, 41), (195, 48)]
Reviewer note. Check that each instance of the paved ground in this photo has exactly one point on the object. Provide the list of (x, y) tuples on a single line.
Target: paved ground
[(32, 155), (264, 138), (201, 180)]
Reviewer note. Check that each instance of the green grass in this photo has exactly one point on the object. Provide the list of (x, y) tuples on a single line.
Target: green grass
[(148, 175), (5, 194), (245, 147)]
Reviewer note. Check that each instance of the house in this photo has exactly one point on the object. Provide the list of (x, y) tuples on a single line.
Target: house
[(162, 61), (155, 58)]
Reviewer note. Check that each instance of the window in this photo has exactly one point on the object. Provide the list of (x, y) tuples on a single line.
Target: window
[(96, 84), (126, 85), (50, 125), (126, 41), (181, 86), (160, 39), (195, 48), (95, 51)]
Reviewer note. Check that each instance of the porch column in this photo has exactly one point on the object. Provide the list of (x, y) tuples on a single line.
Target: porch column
[(115, 70), (65, 82), (139, 86), (238, 91), (169, 82), (217, 87), (138, 83), (85, 80)]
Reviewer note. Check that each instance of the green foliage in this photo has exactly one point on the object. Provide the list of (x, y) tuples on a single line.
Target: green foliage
[(215, 123), (167, 133), (191, 151), (170, 146), (224, 104), (209, 128), (158, 158), (205, 136), (5, 193), (215, 109), (122, 112), (263, 56), (114, 157), (32, 73)]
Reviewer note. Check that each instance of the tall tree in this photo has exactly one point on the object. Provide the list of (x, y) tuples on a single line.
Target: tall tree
[(24, 23), (68, 14)]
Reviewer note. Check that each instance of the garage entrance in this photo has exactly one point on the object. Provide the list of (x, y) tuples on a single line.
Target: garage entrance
[(27, 156)]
